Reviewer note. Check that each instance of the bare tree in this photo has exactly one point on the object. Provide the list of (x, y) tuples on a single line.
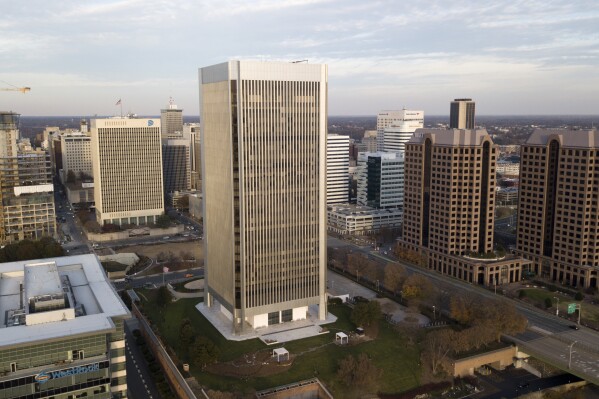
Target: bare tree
[(438, 345), (394, 274)]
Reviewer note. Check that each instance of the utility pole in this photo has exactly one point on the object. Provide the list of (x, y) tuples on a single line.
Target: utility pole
[(557, 307)]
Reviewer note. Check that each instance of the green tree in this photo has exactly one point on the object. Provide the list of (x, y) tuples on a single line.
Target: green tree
[(163, 297), (203, 352), (360, 372), (186, 333), (163, 221), (366, 314)]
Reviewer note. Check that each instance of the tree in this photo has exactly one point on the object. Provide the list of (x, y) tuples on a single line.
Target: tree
[(416, 286), (163, 297), (359, 372), (462, 309), (366, 314), (92, 226), (394, 274), (163, 221), (203, 352), (186, 333), (357, 264), (71, 177), (438, 344)]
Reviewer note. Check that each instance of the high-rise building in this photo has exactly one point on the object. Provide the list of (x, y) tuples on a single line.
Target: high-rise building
[(76, 155), (61, 330), (177, 168), (192, 130), (402, 119), (127, 165), (264, 143), (461, 114), (26, 189), (401, 130), (557, 210), (337, 169), (449, 206), (381, 179), (171, 121), (369, 141)]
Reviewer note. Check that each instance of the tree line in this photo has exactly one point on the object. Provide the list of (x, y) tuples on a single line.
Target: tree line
[(45, 247)]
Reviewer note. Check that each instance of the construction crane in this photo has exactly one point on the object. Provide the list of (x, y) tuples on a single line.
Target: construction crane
[(21, 89), (14, 88)]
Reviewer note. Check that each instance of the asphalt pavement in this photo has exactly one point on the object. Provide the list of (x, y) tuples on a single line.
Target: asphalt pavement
[(139, 380)]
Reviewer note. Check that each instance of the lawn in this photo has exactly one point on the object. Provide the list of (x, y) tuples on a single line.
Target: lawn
[(316, 356)]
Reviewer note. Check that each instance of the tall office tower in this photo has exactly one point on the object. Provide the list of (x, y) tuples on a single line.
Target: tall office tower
[(61, 330), (404, 119), (264, 138), (9, 134), (84, 126), (337, 169), (369, 141), (192, 130), (461, 114), (76, 155), (449, 205), (400, 131), (127, 164), (176, 161), (26, 190), (557, 209), (171, 121), (381, 179)]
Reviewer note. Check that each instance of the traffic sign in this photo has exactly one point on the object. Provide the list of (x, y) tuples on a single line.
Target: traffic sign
[(571, 308)]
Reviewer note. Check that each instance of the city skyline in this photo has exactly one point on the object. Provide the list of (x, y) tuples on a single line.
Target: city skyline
[(80, 59)]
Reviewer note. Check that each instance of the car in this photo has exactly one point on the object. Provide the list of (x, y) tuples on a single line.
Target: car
[(188, 275), (165, 238), (524, 385), (574, 327)]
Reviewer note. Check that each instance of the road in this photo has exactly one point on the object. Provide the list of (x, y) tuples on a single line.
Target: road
[(139, 380), (156, 280), (552, 334)]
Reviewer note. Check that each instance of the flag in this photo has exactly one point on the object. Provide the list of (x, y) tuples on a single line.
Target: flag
[(118, 102), (165, 269)]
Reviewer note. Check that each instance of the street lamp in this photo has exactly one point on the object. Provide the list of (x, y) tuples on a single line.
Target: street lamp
[(434, 314), (570, 359), (557, 307)]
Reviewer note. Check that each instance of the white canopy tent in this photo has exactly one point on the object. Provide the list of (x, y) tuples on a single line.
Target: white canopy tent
[(341, 337), (278, 352)]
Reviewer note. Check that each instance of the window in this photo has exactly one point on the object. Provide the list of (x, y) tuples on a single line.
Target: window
[(287, 315), (273, 318), (13, 367), (78, 355)]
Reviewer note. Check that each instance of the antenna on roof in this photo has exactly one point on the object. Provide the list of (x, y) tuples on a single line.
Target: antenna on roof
[(299, 61)]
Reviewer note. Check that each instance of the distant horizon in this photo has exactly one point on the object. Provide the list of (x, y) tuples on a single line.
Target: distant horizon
[(334, 116)]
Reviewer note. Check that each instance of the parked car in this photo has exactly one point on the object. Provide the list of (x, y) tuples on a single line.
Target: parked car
[(188, 275)]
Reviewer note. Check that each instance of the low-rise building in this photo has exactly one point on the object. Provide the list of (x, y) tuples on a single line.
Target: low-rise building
[(61, 330), (507, 196), (361, 220), (507, 168)]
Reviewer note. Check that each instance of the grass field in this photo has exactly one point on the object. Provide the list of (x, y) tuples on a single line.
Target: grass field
[(318, 356), (537, 296)]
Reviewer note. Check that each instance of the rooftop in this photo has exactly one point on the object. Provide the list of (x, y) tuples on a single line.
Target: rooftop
[(357, 210), (55, 298), (451, 137), (567, 138)]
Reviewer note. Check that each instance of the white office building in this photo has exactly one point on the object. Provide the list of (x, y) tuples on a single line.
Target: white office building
[(61, 330), (127, 164), (76, 154), (337, 169), (381, 179), (401, 130), (404, 120)]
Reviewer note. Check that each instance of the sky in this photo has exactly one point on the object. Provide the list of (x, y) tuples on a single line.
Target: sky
[(518, 57)]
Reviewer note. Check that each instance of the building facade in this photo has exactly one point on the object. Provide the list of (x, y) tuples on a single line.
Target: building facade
[(192, 130), (127, 165), (337, 169), (76, 155), (449, 206), (264, 139), (380, 179), (171, 121), (362, 220), (26, 189), (401, 130), (462, 114), (402, 119), (177, 165), (557, 206), (61, 330)]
